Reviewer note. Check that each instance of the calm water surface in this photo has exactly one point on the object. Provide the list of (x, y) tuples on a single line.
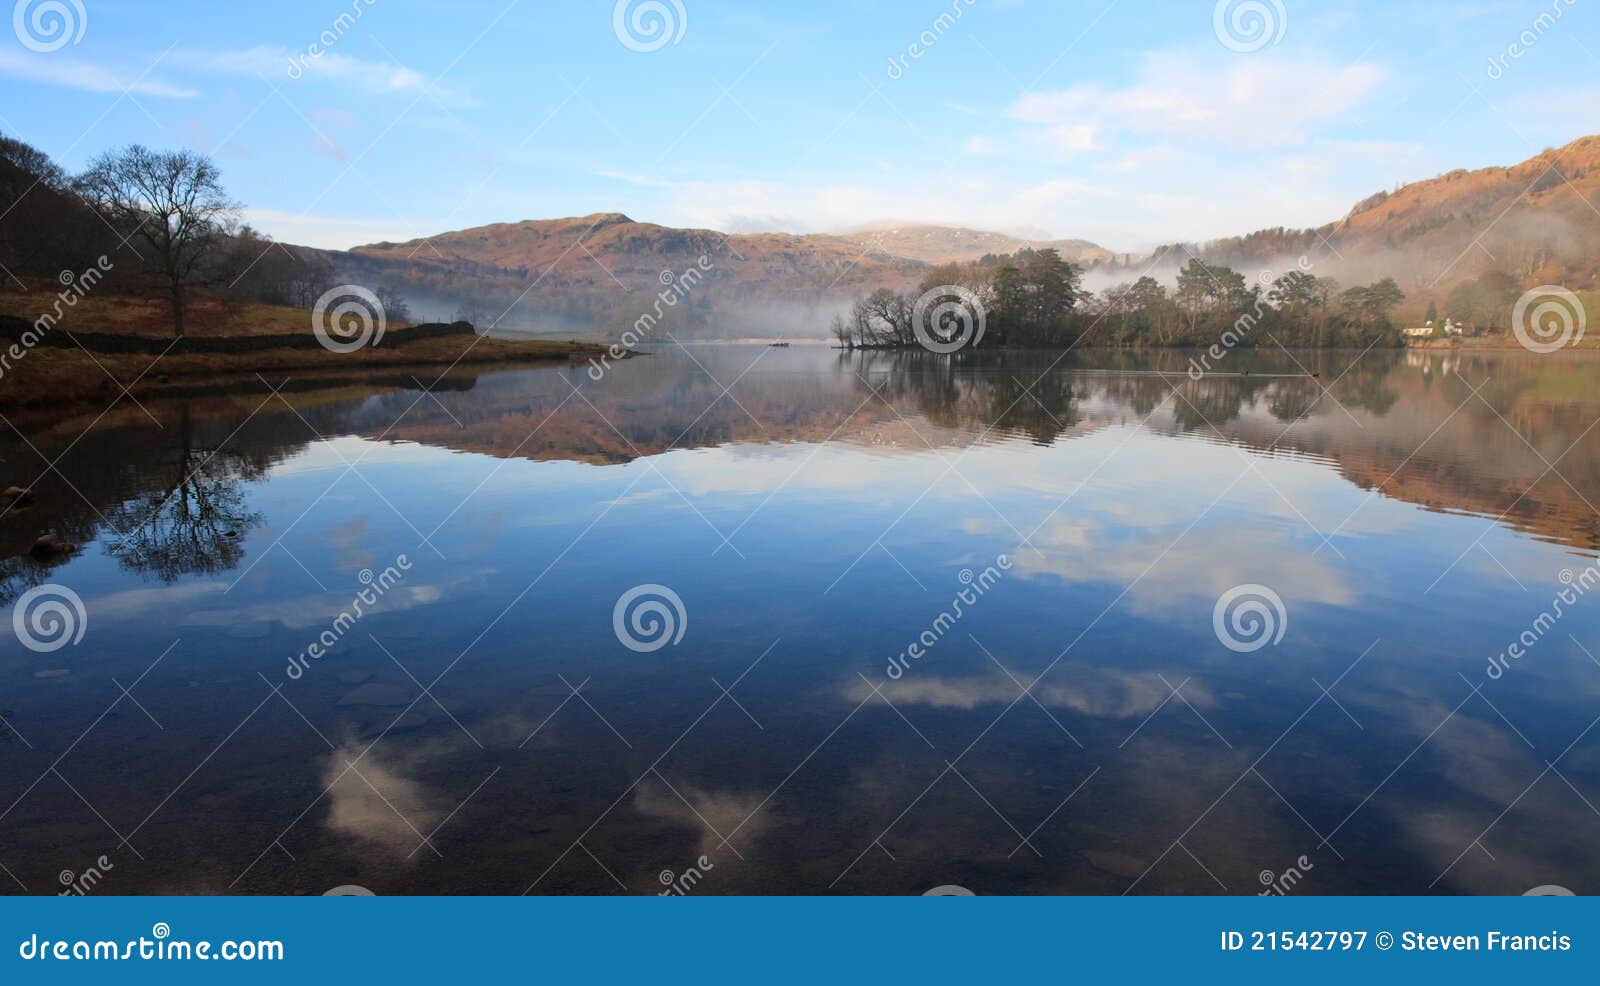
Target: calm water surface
[(1082, 726)]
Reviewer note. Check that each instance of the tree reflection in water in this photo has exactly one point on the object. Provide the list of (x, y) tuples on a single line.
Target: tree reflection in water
[(195, 521)]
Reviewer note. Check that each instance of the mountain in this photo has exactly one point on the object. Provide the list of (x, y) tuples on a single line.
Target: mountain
[(611, 249), (946, 244), (1491, 233), (1532, 223), (604, 270)]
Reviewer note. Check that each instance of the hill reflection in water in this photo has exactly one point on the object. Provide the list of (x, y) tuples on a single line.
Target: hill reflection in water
[(1080, 729)]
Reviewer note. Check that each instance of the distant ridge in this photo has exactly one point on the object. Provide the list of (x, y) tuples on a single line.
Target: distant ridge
[(610, 248), (943, 244)]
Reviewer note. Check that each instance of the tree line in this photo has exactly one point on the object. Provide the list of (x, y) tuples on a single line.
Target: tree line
[(165, 221), (1035, 298)]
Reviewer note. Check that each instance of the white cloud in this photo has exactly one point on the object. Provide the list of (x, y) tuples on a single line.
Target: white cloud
[(270, 62), (1072, 137), (1123, 191), (281, 66), (1161, 569), (131, 604), (1109, 693), (55, 70), (377, 802), (1254, 102), (706, 811)]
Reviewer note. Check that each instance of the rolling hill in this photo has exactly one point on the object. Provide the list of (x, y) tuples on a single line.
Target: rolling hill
[(611, 249), (1532, 223)]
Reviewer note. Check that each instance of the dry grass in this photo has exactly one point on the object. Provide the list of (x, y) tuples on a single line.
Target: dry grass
[(46, 375), (153, 317)]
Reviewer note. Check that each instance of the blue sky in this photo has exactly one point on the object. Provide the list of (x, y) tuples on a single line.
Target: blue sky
[(1127, 122)]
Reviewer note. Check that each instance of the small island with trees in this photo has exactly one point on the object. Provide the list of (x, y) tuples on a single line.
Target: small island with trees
[(1036, 299)]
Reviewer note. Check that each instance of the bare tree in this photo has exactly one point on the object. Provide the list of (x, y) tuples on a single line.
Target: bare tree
[(175, 207), (194, 517), (841, 332), (392, 304)]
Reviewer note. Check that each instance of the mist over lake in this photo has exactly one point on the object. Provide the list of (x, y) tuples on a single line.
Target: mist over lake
[(917, 621), (808, 458)]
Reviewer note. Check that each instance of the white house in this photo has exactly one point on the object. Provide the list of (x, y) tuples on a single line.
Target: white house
[(1451, 328)]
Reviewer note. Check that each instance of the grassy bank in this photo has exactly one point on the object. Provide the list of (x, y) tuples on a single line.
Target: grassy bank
[(85, 357)]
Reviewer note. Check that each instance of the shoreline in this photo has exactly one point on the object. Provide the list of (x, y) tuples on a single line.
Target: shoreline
[(61, 371)]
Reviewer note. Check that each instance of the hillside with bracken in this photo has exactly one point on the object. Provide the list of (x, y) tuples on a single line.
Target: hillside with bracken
[(609, 253), (1493, 231)]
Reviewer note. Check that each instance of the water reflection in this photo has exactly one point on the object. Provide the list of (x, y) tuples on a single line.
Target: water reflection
[(1080, 729), (194, 519)]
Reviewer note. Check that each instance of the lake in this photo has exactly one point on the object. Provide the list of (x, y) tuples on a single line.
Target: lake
[(737, 619)]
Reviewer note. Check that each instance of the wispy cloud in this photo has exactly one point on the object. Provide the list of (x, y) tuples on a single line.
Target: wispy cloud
[(280, 66), (1252, 103), (57, 70), (271, 63)]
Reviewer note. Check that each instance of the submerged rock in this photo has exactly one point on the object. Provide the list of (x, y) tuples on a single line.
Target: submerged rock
[(50, 547), (408, 722)]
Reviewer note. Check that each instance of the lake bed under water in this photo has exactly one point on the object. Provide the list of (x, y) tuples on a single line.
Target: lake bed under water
[(1013, 623)]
